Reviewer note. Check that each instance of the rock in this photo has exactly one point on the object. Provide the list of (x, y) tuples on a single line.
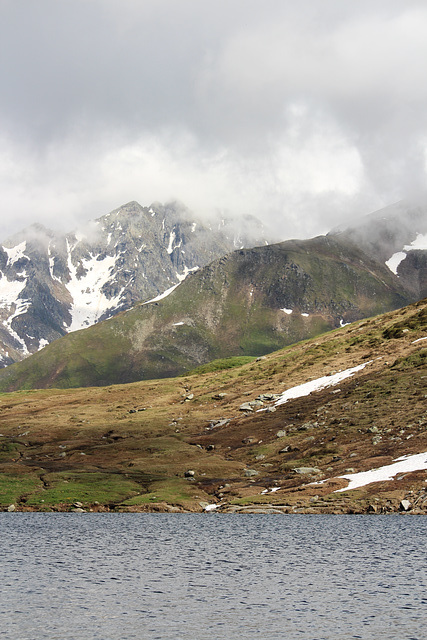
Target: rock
[(260, 457), (306, 470), (78, 505), (271, 409), (373, 429), (246, 406), (189, 473), (210, 447), (250, 473), (189, 397), (405, 505), (78, 510), (281, 434), (268, 397), (285, 449), (219, 396), (11, 508), (214, 424), (249, 440)]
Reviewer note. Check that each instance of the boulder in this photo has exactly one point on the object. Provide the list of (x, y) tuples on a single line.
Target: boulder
[(405, 505), (250, 473)]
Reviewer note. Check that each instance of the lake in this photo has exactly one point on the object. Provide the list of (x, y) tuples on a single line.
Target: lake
[(212, 577)]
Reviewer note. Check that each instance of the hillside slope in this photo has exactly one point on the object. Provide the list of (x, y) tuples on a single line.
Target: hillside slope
[(250, 302), (224, 438)]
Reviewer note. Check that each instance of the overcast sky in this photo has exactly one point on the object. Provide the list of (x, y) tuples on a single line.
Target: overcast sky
[(305, 114)]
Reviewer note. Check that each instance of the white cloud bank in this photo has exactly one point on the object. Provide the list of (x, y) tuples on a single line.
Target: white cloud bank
[(303, 114)]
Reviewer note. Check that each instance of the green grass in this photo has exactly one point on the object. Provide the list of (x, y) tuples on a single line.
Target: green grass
[(172, 491), (85, 487), (12, 488), (221, 364)]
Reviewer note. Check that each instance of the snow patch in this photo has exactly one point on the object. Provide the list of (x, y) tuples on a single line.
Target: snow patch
[(287, 311), (405, 464), (43, 343), (163, 295), (183, 275), (305, 315), (172, 237), (419, 340), (178, 324), (320, 383), (211, 507), (89, 303), (15, 253), (419, 244)]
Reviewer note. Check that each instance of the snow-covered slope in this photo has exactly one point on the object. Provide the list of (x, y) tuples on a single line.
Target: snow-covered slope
[(51, 285)]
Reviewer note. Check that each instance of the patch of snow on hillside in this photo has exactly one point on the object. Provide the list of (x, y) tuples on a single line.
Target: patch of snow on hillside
[(320, 383), (178, 324), (182, 276), (43, 343), (15, 253), (305, 315), (395, 261), (419, 340), (172, 237), (287, 311), (193, 227), (420, 244), (163, 295), (405, 464), (89, 302)]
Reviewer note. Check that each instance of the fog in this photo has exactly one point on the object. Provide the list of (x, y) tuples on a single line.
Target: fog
[(306, 115)]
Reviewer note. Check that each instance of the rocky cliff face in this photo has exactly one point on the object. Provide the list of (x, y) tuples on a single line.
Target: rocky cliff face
[(51, 285)]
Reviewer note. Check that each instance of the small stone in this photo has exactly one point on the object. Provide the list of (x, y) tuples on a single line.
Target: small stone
[(250, 473), (78, 505), (11, 508), (405, 505), (219, 396), (246, 406), (260, 457), (189, 473), (306, 470), (78, 510), (281, 434)]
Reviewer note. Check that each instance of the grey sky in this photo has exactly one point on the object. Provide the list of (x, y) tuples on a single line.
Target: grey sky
[(302, 113)]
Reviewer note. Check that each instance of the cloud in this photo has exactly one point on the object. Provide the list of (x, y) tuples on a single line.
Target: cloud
[(303, 114)]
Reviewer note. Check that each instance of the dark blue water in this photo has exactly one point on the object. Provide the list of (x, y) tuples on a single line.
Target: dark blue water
[(212, 577)]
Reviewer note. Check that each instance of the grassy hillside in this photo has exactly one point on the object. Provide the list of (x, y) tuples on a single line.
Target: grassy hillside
[(179, 444), (249, 303)]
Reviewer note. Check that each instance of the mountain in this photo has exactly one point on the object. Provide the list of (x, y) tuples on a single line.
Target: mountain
[(53, 284), (336, 424), (396, 236), (250, 302)]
